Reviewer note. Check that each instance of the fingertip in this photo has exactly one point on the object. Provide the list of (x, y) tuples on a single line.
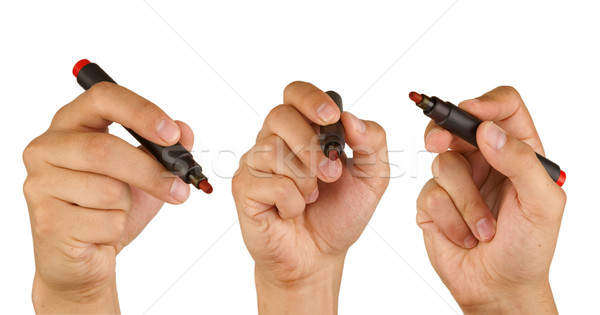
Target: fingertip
[(327, 113), (353, 124), (490, 135), (313, 196), (435, 166), (180, 191), (168, 131), (469, 242), (470, 104), (438, 140), (330, 170), (187, 135), (485, 229)]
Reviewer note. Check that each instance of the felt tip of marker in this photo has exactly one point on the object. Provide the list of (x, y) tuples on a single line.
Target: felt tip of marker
[(415, 97), (561, 179), (80, 64), (205, 186), (333, 155)]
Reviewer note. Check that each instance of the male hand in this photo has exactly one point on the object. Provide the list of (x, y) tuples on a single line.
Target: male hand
[(490, 216), (90, 194), (299, 211)]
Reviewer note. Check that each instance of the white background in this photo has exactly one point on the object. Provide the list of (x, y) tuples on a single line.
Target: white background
[(222, 65)]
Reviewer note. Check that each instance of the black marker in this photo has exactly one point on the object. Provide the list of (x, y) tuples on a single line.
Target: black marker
[(332, 136), (464, 125), (175, 158)]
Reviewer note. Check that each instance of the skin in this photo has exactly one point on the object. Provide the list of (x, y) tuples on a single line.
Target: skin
[(299, 211), (502, 264), (90, 194)]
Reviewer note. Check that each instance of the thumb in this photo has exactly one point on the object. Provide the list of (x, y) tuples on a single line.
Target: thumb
[(369, 147), (516, 160)]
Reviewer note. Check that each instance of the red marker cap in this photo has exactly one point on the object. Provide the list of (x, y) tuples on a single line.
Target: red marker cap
[(415, 97), (80, 64), (561, 179)]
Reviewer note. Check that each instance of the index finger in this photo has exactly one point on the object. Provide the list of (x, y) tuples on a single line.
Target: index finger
[(106, 102), (312, 102)]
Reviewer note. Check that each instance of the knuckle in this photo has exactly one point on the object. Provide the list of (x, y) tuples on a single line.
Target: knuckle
[(32, 151), (98, 147), (527, 157), (435, 199), (453, 160), (292, 86), (119, 222), (509, 90), (421, 204), (285, 188), (265, 151), (116, 194), (147, 108), (59, 115), (295, 205), (315, 96), (239, 183), (44, 222), (277, 114), (30, 187), (562, 197), (98, 91), (472, 207), (421, 217), (235, 186), (378, 129), (244, 160), (511, 93)]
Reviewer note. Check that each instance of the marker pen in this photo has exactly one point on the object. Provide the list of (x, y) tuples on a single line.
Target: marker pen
[(464, 125), (175, 158), (332, 136)]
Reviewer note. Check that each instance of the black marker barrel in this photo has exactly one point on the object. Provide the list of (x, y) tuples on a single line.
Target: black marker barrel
[(177, 159), (464, 125), (332, 136)]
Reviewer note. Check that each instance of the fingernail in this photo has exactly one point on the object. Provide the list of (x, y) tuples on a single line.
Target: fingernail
[(329, 168), (314, 195), (167, 131), (358, 124), (470, 241), (485, 228), (179, 191), (495, 136), (327, 113), (428, 136)]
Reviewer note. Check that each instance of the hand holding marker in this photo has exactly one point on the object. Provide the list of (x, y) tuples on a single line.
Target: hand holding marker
[(464, 125), (175, 158)]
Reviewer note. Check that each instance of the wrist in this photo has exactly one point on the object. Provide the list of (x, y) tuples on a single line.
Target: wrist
[(537, 299), (47, 299), (316, 293)]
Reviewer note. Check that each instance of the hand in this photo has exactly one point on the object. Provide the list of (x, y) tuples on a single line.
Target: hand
[(490, 216), (299, 211), (90, 194)]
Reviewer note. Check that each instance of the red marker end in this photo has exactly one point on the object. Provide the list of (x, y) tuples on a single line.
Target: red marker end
[(80, 64), (415, 97), (205, 186), (561, 179), (333, 155)]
